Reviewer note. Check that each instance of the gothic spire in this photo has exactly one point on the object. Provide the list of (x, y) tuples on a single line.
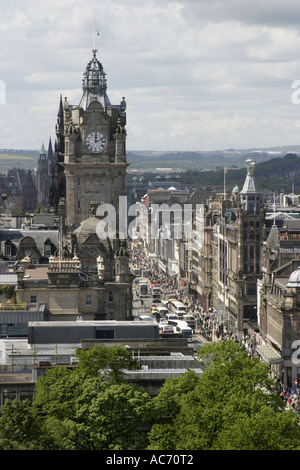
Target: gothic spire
[(50, 152)]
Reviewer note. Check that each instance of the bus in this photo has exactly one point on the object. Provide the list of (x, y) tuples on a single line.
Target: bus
[(190, 320), (156, 291), (178, 308), (143, 288), (163, 311), (136, 271), (182, 328), (165, 329), (171, 316)]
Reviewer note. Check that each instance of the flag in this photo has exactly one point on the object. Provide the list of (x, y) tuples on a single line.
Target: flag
[(225, 170)]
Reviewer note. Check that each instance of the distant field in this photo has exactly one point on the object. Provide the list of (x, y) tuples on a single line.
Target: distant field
[(13, 160), (8, 156)]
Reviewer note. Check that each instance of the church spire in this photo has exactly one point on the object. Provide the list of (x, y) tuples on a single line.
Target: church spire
[(43, 151), (50, 153)]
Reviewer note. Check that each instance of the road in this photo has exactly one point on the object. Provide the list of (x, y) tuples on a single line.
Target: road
[(143, 307)]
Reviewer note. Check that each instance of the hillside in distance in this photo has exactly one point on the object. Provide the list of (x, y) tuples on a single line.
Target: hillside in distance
[(281, 174), (230, 158), (188, 162)]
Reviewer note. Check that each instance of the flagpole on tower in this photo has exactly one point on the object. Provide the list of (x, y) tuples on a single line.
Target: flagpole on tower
[(95, 34), (225, 171)]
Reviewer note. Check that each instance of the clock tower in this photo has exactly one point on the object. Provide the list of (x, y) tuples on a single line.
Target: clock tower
[(95, 148)]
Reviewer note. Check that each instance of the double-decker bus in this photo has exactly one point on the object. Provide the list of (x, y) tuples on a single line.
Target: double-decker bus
[(143, 288), (156, 291), (190, 320), (178, 308)]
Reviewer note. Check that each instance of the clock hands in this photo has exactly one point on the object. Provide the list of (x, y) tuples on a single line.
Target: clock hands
[(95, 141), (102, 139)]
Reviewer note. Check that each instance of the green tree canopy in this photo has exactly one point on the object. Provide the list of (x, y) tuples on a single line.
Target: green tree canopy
[(22, 428), (232, 405), (87, 409), (234, 392), (109, 361)]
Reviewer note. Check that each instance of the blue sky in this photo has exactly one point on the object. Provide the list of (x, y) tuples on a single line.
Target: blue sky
[(196, 74)]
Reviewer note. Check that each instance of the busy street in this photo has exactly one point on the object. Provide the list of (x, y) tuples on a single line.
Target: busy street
[(206, 327)]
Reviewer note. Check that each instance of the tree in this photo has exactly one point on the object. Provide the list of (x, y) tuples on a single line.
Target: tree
[(266, 430), (233, 391), (22, 428), (111, 361), (167, 411), (7, 290), (85, 409)]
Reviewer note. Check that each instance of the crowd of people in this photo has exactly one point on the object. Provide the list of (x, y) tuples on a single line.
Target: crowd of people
[(291, 398)]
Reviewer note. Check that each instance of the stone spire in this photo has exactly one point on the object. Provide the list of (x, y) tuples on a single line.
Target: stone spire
[(50, 153), (250, 196)]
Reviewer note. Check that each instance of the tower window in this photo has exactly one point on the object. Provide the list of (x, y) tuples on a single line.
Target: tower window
[(47, 250), (78, 204), (110, 297), (88, 300), (8, 250)]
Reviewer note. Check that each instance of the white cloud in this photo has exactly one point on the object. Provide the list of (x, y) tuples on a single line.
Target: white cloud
[(195, 74)]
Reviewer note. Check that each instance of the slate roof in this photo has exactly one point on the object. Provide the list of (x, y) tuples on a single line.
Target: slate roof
[(39, 236)]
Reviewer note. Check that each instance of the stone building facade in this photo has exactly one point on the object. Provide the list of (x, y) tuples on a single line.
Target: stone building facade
[(229, 261), (279, 303)]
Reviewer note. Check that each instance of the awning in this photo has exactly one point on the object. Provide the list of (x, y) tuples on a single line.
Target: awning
[(268, 354)]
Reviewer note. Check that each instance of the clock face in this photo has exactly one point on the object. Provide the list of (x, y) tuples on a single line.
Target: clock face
[(95, 141)]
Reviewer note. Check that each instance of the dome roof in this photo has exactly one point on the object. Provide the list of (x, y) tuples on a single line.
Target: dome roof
[(87, 228), (294, 280)]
